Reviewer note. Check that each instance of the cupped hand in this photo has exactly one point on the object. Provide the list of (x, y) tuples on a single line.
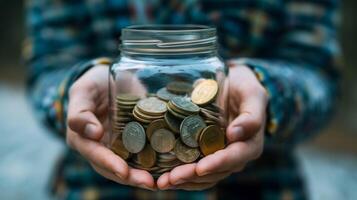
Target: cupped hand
[(247, 101), (87, 121)]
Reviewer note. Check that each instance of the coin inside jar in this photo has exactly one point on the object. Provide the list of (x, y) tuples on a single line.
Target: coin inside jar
[(146, 157), (211, 140), (190, 129), (134, 137), (152, 106), (205, 92), (162, 140), (155, 125), (179, 87), (119, 149), (165, 95), (185, 105), (172, 122), (185, 153)]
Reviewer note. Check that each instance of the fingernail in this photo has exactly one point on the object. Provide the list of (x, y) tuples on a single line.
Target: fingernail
[(237, 133), (89, 130)]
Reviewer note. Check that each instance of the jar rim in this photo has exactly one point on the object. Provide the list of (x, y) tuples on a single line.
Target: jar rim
[(170, 28), (163, 39)]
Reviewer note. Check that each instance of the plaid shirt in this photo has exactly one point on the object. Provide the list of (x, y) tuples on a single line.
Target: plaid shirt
[(290, 44)]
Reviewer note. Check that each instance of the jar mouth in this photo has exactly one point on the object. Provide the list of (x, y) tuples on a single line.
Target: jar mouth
[(168, 39)]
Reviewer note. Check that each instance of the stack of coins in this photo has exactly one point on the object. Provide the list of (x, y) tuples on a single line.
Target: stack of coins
[(178, 125), (125, 104)]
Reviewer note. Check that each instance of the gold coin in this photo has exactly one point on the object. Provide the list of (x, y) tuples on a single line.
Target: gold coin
[(162, 140), (119, 149), (205, 92), (152, 106), (211, 140), (155, 125), (146, 157), (185, 153)]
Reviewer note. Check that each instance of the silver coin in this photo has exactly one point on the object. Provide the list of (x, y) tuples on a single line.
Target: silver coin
[(134, 137), (190, 129)]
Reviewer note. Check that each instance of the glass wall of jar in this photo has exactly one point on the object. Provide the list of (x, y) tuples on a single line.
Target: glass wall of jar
[(166, 88)]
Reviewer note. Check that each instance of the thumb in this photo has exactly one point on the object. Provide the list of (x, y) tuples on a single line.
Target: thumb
[(86, 124), (81, 117), (249, 121)]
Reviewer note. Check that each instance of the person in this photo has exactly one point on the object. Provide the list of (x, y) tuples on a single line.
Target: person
[(283, 84)]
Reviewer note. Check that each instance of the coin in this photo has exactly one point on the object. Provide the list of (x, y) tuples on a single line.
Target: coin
[(134, 137), (146, 157), (122, 107), (176, 114), (146, 116), (185, 105), (166, 157), (126, 103), (124, 119), (155, 125), (179, 87), (172, 122), (122, 113), (205, 92), (165, 95), (118, 148), (209, 112), (152, 106), (185, 153), (190, 129), (162, 140), (211, 140), (138, 166), (177, 110), (127, 97), (169, 164), (140, 119)]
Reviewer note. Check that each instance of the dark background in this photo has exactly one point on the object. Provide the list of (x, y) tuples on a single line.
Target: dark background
[(334, 150)]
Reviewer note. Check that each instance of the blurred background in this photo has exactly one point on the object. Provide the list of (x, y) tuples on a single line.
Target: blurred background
[(28, 152)]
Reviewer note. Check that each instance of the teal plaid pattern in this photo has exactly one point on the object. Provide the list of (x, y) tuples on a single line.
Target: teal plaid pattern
[(290, 44)]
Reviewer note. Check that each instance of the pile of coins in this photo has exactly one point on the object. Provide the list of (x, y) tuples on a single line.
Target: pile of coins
[(177, 125)]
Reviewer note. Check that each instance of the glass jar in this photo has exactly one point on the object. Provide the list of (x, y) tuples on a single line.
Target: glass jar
[(166, 96)]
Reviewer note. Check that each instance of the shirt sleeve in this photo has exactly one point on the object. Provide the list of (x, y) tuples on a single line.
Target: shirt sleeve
[(57, 51), (301, 74)]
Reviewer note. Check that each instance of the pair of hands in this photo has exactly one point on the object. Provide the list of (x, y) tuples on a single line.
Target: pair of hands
[(88, 121)]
